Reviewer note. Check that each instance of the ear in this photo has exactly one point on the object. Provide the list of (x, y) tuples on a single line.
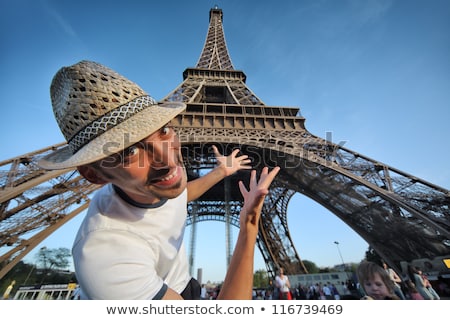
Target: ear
[(91, 174)]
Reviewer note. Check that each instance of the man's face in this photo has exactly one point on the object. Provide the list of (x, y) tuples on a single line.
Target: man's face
[(149, 170)]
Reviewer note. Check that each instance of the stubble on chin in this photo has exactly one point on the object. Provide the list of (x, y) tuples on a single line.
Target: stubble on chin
[(174, 191)]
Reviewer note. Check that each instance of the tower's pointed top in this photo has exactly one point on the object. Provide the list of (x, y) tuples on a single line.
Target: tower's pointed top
[(215, 53), (215, 11)]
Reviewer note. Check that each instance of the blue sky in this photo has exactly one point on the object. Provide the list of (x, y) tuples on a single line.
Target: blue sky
[(374, 74)]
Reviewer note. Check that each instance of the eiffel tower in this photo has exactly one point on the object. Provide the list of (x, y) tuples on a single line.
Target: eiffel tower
[(402, 217)]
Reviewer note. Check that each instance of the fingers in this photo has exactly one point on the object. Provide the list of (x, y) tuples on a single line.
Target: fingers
[(243, 161), (265, 179), (245, 164), (216, 151), (253, 180), (235, 152), (243, 189), (232, 162), (218, 154), (254, 196)]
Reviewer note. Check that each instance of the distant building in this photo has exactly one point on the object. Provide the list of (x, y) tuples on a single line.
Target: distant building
[(335, 278), (45, 292)]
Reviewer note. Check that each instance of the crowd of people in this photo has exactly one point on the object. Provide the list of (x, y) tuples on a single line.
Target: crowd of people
[(316, 291), (373, 282), (380, 282)]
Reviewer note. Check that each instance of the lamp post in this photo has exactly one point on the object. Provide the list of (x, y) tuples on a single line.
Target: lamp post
[(33, 268), (29, 274), (339, 250), (43, 253)]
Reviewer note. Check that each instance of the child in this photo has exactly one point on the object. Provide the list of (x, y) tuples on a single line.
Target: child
[(375, 282)]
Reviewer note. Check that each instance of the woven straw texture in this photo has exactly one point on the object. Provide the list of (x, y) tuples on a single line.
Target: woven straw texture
[(100, 112)]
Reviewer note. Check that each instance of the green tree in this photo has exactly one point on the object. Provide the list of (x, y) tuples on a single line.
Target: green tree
[(311, 266), (372, 255), (51, 262), (260, 279), (51, 259)]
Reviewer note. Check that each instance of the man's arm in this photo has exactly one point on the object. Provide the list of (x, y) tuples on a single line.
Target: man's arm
[(172, 295), (238, 283), (227, 165)]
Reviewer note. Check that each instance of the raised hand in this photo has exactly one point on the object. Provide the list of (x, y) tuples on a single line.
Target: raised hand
[(254, 197), (231, 163)]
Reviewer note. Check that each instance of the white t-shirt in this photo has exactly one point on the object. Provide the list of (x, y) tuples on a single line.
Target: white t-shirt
[(282, 283), (123, 251)]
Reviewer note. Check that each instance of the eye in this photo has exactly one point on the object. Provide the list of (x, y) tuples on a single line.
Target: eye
[(165, 130), (130, 151)]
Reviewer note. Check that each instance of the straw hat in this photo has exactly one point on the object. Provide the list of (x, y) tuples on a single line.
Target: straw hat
[(100, 112)]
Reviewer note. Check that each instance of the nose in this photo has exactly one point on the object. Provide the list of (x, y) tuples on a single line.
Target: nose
[(163, 155)]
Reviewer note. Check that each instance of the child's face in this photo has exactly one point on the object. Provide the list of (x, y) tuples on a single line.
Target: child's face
[(376, 288)]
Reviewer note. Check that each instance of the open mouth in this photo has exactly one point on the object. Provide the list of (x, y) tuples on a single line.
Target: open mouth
[(167, 179)]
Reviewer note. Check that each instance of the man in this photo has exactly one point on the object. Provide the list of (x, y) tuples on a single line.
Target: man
[(130, 244), (327, 292), (203, 292)]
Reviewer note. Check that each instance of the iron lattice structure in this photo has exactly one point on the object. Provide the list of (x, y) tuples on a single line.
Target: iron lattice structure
[(402, 217)]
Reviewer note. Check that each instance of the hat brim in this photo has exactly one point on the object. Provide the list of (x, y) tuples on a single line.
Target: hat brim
[(125, 134)]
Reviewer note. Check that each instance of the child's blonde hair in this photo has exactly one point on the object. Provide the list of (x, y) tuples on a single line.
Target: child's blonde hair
[(366, 271)]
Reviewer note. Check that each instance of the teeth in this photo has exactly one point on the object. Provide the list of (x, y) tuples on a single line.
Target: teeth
[(168, 177)]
